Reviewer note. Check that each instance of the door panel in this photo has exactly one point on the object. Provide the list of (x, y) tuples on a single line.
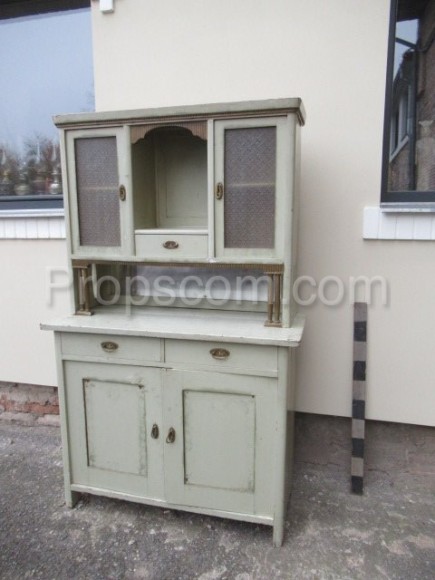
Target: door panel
[(111, 411), (209, 424), (113, 443), (223, 449)]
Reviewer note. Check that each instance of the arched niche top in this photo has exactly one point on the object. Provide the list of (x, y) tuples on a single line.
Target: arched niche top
[(197, 128)]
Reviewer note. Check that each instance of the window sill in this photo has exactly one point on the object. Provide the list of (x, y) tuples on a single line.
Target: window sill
[(402, 223), (32, 224), (409, 208)]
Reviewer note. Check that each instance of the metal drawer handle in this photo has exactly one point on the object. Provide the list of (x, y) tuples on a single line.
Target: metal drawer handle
[(171, 245), (171, 435), (155, 431), (109, 346), (220, 353)]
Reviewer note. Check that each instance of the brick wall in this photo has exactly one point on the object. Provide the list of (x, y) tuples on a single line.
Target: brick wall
[(30, 404)]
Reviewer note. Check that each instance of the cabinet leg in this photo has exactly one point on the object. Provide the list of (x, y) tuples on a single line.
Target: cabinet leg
[(278, 534), (71, 498)]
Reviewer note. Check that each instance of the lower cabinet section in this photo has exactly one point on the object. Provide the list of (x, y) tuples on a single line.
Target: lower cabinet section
[(203, 440)]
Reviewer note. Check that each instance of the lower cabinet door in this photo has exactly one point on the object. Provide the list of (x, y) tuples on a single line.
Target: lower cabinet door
[(219, 441), (112, 415)]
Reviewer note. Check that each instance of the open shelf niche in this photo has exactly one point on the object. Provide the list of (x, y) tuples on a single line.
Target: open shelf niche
[(169, 165)]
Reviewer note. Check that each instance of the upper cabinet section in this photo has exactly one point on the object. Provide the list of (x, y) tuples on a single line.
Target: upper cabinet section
[(192, 184)]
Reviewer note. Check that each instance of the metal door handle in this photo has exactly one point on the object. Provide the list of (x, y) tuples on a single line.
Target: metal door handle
[(219, 190), (171, 435), (122, 192)]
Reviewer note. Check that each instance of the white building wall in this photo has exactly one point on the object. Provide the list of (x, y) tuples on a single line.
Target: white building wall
[(333, 55), (28, 265)]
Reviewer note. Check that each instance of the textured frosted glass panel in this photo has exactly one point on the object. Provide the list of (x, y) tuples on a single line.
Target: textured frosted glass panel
[(97, 191), (250, 179)]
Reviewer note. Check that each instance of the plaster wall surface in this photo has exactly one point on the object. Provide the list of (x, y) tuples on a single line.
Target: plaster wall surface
[(333, 55), (27, 353)]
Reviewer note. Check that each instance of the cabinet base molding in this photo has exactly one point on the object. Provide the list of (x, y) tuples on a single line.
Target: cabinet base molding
[(265, 520)]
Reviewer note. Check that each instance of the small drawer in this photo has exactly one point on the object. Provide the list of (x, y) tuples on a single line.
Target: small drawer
[(222, 355), (113, 347), (171, 246)]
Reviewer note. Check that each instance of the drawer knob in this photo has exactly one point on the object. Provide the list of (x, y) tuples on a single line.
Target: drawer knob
[(171, 245), (155, 431), (220, 353), (109, 346), (171, 435)]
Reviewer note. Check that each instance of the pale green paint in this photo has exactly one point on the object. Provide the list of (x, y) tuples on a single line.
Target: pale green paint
[(221, 427), (110, 412), (239, 109), (144, 184), (211, 326), (193, 246), (171, 186), (170, 181), (113, 443), (257, 358), (129, 348), (226, 412), (125, 207), (281, 190), (229, 433), (181, 181), (233, 442)]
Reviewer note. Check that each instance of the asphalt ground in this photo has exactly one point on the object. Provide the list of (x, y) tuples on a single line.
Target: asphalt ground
[(389, 532)]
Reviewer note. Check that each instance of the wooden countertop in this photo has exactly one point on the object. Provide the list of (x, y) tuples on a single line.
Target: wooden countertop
[(188, 324)]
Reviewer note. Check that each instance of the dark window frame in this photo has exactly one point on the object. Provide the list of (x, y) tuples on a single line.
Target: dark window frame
[(16, 9), (411, 198)]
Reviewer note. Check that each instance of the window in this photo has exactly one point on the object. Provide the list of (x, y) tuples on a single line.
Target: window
[(409, 133), (46, 68)]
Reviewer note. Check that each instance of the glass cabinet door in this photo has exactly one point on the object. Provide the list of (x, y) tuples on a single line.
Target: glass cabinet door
[(248, 181), (99, 190)]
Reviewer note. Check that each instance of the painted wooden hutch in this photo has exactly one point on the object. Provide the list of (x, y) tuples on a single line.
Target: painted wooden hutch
[(176, 367)]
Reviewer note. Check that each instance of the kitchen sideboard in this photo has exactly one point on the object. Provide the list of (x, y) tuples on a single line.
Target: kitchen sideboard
[(176, 365)]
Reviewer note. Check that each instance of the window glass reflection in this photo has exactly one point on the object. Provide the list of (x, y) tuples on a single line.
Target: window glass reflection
[(46, 68), (411, 151)]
